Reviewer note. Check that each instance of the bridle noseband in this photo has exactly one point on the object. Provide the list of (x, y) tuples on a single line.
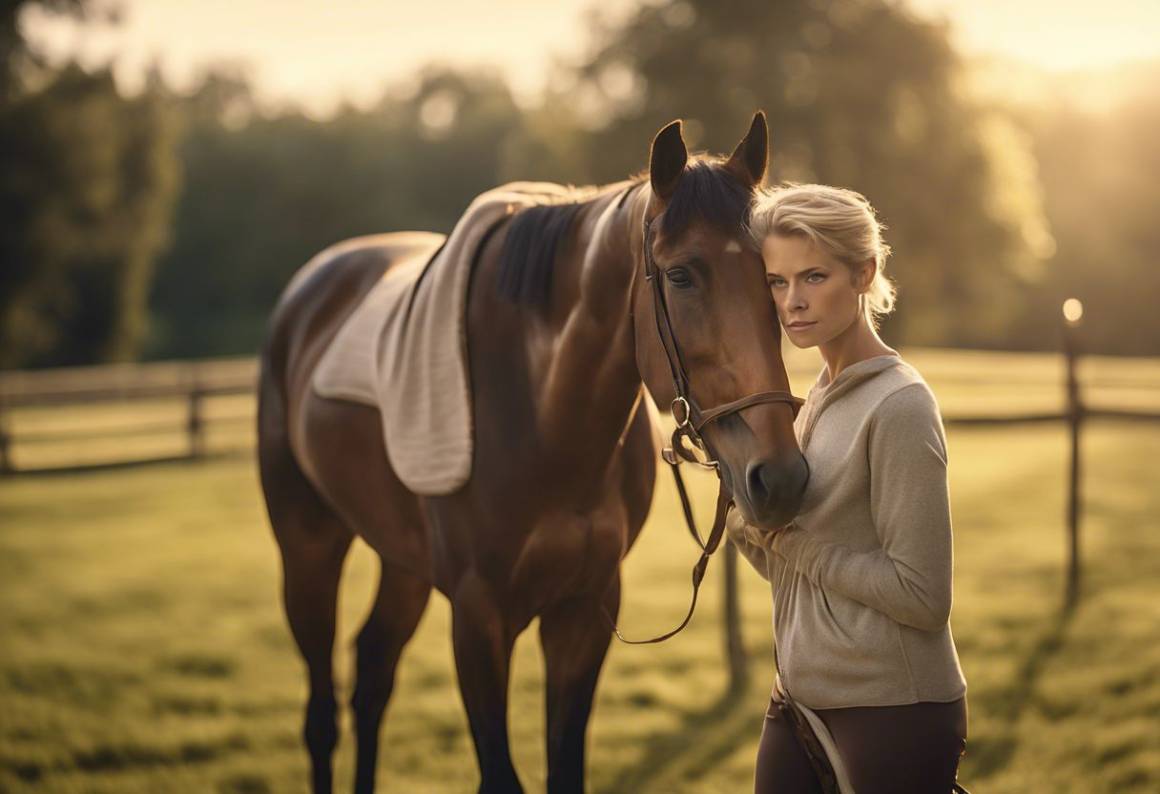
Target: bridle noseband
[(691, 420)]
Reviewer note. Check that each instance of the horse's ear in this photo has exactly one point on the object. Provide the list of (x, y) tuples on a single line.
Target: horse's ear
[(752, 154), (667, 160)]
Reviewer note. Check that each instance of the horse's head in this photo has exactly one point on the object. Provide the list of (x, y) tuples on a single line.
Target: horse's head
[(721, 330)]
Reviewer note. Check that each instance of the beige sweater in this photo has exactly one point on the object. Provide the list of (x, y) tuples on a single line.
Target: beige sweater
[(862, 579)]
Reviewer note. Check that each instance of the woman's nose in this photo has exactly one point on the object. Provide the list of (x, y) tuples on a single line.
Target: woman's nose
[(795, 299)]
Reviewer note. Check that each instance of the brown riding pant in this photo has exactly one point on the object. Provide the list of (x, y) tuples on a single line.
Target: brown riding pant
[(913, 749)]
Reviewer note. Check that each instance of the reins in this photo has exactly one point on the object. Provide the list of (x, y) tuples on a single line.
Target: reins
[(691, 420)]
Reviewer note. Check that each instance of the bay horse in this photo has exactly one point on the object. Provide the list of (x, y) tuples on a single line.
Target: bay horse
[(562, 336)]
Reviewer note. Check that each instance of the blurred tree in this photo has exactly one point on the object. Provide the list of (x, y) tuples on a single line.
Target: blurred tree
[(1098, 170), (86, 190), (18, 62), (265, 193), (859, 93)]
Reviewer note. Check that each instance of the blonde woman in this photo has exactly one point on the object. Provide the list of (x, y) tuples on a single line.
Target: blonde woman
[(862, 578)]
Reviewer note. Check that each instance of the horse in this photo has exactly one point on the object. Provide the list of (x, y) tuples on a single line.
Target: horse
[(563, 339)]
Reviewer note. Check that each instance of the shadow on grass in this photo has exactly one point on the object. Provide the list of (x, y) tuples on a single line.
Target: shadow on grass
[(995, 752), (697, 745), (131, 755)]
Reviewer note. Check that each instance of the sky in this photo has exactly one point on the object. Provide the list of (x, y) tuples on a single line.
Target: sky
[(317, 52)]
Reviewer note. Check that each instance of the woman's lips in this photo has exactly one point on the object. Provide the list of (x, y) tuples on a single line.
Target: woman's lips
[(800, 324)]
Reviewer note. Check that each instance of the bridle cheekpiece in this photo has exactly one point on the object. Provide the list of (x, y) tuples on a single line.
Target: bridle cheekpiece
[(690, 422)]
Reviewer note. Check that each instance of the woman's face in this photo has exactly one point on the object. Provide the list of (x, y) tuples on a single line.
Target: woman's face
[(816, 295)]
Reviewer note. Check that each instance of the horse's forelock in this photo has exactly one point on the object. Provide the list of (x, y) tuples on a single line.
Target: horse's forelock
[(709, 193)]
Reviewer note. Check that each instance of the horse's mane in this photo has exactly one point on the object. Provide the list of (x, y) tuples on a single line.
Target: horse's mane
[(535, 236), (706, 192)]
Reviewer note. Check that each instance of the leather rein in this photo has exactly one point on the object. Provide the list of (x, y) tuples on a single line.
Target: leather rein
[(691, 421)]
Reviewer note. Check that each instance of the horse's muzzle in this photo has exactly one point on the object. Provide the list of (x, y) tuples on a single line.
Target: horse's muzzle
[(774, 490)]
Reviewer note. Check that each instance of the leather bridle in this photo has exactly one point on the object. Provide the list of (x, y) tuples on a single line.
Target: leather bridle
[(691, 421)]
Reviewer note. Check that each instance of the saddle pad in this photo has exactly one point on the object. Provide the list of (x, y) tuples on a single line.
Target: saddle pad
[(404, 349), (348, 369)]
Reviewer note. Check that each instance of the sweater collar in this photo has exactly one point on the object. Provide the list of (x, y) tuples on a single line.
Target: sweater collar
[(854, 374), (823, 393)]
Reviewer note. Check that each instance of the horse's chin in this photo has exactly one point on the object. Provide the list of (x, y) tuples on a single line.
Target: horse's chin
[(770, 521)]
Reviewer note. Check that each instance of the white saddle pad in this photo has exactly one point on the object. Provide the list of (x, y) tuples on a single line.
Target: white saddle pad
[(404, 349)]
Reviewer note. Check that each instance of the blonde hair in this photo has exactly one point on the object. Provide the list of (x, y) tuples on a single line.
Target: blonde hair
[(842, 221)]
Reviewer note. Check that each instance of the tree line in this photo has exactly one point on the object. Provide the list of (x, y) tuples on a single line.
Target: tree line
[(165, 224)]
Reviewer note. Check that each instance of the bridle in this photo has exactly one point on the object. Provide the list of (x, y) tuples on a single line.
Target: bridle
[(691, 421)]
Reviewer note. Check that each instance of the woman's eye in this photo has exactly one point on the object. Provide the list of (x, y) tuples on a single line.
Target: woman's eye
[(816, 278), (776, 282), (679, 277)]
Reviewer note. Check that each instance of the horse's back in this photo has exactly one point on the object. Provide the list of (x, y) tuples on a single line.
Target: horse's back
[(323, 435), (363, 260), (323, 293)]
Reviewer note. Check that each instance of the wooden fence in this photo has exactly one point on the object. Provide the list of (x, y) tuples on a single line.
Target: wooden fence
[(175, 397), (1075, 415), (186, 388), (167, 399)]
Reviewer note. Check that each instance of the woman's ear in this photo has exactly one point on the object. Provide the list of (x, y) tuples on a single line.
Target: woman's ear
[(864, 275)]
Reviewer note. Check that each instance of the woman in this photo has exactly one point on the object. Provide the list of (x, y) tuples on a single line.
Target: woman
[(862, 578)]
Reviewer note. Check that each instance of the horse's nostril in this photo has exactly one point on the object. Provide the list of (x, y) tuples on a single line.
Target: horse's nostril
[(772, 486), (761, 484)]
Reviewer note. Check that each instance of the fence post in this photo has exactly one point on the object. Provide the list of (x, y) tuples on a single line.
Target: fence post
[(1073, 313), (6, 466), (195, 424), (734, 644)]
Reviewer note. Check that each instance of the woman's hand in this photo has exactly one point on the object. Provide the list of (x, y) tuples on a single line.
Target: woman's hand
[(743, 533)]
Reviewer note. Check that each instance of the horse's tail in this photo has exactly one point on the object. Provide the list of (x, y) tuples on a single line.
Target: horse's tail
[(273, 361)]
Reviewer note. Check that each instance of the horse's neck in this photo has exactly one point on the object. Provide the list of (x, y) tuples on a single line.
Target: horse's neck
[(592, 380)]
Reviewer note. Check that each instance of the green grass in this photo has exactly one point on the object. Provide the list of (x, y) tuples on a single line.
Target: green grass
[(142, 646)]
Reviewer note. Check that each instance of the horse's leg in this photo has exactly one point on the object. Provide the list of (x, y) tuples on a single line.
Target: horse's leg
[(314, 543), (574, 635), (483, 647), (310, 592), (398, 607)]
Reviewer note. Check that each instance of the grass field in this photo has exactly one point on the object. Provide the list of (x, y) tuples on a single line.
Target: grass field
[(142, 646)]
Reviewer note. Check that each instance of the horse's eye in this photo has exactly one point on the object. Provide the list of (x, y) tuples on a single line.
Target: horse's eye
[(679, 277)]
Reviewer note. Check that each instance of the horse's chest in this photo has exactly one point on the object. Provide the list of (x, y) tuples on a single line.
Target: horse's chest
[(570, 554)]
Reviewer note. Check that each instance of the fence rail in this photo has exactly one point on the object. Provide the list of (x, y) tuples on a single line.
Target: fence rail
[(185, 387), (127, 382), (1048, 418), (189, 386)]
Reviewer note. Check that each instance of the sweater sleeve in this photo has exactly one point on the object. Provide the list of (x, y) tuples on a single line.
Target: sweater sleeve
[(741, 535), (909, 576)]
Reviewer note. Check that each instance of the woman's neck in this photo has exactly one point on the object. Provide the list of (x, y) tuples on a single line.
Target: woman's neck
[(857, 343)]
